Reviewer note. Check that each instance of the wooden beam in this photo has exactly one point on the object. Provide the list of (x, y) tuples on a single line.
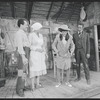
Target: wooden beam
[(12, 9), (49, 10), (79, 14), (72, 12), (60, 11), (28, 10), (96, 47)]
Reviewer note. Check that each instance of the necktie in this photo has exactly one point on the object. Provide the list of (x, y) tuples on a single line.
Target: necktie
[(79, 33)]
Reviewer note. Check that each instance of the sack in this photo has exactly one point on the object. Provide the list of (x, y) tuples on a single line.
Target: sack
[(13, 59)]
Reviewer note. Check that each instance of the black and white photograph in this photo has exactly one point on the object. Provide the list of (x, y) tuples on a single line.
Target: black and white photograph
[(49, 49)]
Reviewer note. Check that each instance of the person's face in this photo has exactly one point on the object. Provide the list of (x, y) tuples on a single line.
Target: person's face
[(80, 28), (64, 32), (39, 31), (25, 26)]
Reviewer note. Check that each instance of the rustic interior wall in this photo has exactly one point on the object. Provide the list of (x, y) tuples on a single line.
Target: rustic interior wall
[(9, 27), (93, 18), (93, 14)]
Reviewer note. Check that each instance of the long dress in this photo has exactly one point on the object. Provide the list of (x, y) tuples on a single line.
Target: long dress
[(37, 64), (63, 47)]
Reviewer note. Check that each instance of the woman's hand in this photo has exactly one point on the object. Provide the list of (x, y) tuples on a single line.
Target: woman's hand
[(68, 55), (88, 56), (25, 60), (40, 50)]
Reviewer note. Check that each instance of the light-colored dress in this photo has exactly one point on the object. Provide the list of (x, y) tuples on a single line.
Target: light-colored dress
[(64, 56), (37, 64)]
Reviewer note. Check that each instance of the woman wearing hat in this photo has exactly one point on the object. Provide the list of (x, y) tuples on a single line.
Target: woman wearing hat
[(64, 47), (37, 55)]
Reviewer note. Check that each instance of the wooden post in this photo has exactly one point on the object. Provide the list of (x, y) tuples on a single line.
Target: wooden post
[(96, 46)]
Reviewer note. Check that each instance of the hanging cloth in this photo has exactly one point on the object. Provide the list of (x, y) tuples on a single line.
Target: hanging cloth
[(82, 14)]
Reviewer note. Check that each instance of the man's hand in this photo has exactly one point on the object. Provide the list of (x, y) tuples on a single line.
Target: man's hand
[(25, 60), (88, 55), (46, 55)]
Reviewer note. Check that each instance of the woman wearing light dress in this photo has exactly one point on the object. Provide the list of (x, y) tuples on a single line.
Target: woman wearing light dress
[(64, 47), (37, 64)]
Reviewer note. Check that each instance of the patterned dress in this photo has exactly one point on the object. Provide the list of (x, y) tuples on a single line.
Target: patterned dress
[(37, 64)]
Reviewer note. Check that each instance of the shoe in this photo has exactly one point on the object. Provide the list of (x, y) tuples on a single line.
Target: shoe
[(58, 85), (39, 86), (77, 79), (68, 84), (20, 93), (88, 82), (32, 89), (27, 88)]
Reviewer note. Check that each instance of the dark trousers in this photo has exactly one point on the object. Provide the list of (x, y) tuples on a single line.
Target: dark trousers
[(81, 57), (20, 81)]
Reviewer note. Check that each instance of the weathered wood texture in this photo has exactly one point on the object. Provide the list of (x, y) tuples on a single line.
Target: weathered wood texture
[(49, 9), (79, 90)]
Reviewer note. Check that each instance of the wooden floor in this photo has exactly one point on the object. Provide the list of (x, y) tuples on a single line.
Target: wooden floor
[(49, 90)]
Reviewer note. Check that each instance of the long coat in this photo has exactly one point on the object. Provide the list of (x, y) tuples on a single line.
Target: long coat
[(85, 41), (63, 62)]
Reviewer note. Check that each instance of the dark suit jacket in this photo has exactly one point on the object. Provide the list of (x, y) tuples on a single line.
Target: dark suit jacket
[(85, 41)]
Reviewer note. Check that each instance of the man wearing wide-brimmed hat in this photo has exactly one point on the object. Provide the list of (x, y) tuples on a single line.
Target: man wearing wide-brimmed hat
[(64, 47)]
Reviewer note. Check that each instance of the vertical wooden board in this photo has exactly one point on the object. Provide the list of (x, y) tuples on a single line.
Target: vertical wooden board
[(47, 40), (96, 47)]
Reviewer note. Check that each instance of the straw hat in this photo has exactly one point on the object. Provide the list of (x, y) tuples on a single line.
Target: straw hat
[(64, 28), (36, 26)]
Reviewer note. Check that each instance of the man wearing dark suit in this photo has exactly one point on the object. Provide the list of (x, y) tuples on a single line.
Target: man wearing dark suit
[(82, 51)]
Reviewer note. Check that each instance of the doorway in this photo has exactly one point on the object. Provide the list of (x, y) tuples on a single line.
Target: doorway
[(92, 59), (98, 34), (48, 45)]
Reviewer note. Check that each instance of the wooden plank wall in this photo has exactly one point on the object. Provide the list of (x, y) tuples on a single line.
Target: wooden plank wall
[(93, 14)]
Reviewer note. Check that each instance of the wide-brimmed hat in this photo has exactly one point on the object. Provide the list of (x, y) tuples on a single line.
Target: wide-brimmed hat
[(64, 28), (36, 26)]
